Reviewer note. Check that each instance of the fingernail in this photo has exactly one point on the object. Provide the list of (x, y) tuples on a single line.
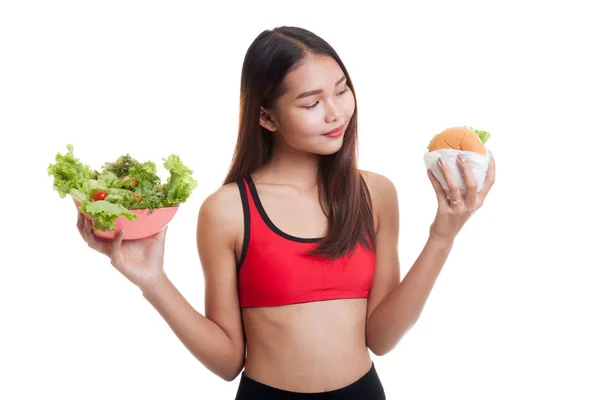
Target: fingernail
[(491, 155), (441, 161), (461, 158)]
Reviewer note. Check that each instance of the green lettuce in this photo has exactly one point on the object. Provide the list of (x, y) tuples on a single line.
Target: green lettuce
[(78, 195), (121, 166), (104, 214), (180, 184), (69, 173)]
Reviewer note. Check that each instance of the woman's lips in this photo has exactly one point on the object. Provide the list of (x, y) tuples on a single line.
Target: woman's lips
[(335, 133)]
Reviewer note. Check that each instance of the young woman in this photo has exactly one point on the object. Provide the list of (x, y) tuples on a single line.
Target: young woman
[(299, 246)]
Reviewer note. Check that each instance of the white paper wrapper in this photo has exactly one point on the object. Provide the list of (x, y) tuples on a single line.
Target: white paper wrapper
[(478, 162)]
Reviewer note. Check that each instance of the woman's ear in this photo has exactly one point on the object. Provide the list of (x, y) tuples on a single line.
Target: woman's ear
[(267, 120)]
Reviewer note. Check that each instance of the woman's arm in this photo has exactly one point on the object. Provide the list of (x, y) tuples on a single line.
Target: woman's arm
[(217, 339), (394, 306)]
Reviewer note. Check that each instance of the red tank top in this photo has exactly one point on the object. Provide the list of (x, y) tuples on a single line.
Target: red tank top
[(274, 268)]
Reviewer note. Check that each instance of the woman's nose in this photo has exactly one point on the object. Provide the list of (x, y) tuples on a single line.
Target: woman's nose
[(333, 114)]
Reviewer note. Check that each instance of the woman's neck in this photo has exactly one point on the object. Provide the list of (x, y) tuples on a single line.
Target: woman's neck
[(292, 167)]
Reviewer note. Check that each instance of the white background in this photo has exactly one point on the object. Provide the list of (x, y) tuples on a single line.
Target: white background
[(514, 313)]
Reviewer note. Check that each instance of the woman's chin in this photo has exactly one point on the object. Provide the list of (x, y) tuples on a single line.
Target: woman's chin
[(327, 151), (332, 147)]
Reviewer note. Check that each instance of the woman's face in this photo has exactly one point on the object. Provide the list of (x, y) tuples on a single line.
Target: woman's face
[(316, 101)]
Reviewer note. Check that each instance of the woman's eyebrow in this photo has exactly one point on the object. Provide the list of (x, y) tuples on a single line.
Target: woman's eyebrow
[(313, 92)]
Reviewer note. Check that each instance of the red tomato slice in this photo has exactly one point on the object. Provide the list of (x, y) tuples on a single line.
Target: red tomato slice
[(133, 181), (137, 196), (101, 195)]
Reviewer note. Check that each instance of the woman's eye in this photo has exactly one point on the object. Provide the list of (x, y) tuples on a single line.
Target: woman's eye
[(315, 104)]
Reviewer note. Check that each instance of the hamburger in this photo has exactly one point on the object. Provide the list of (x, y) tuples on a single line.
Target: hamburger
[(448, 144)]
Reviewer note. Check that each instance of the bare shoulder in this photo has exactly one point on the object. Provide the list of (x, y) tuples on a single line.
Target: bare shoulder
[(384, 198), (382, 189), (221, 212), (222, 202)]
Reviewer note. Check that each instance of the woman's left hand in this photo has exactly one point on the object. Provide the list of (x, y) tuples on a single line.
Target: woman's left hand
[(451, 216)]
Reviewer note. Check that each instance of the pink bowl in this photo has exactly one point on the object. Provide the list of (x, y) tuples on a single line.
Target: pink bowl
[(146, 224)]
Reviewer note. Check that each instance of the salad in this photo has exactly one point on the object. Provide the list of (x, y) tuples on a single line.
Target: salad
[(120, 186)]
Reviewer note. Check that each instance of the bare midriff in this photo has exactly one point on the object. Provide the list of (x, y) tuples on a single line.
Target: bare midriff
[(308, 347)]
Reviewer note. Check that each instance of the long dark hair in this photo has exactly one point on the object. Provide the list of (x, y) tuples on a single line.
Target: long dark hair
[(269, 58)]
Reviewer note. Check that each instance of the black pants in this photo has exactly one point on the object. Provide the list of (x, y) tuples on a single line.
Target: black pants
[(368, 387)]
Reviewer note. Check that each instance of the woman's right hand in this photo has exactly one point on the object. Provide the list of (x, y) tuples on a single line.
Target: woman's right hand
[(141, 260)]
